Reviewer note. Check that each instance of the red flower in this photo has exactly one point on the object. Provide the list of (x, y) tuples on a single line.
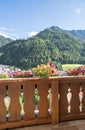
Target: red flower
[(52, 71)]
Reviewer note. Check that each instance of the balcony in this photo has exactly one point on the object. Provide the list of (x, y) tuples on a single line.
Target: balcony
[(61, 99)]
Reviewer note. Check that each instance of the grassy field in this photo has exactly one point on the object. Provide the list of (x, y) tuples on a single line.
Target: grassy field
[(70, 66)]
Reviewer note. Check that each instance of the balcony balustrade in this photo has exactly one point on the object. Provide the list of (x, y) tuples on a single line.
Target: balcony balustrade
[(31, 101)]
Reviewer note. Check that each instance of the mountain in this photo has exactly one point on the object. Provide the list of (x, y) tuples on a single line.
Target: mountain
[(52, 44), (78, 33), (4, 40)]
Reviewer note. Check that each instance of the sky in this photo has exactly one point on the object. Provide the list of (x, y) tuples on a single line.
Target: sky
[(24, 18)]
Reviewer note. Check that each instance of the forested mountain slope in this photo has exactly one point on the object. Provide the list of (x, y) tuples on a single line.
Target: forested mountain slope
[(52, 44)]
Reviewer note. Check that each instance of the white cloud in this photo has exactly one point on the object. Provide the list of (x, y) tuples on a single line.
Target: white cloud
[(77, 10), (6, 35), (33, 33), (7, 32)]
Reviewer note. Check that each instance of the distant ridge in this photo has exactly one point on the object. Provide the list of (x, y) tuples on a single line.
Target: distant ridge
[(4, 40), (79, 33), (6, 36)]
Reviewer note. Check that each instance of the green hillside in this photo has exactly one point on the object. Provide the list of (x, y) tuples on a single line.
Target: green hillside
[(4, 41), (52, 44), (70, 66)]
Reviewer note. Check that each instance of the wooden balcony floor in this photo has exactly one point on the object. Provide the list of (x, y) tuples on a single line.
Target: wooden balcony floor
[(69, 125), (37, 127)]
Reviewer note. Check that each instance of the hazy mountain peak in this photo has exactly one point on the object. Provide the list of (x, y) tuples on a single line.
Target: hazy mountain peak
[(56, 28), (4, 39), (6, 36)]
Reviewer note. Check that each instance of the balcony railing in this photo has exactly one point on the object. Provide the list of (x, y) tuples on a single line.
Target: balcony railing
[(30, 101)]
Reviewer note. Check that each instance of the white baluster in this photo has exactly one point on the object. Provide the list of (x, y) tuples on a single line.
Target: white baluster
[(80, 99), (36, 98), (7, 101), (22, 102), (69, 97), (49, 97)]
